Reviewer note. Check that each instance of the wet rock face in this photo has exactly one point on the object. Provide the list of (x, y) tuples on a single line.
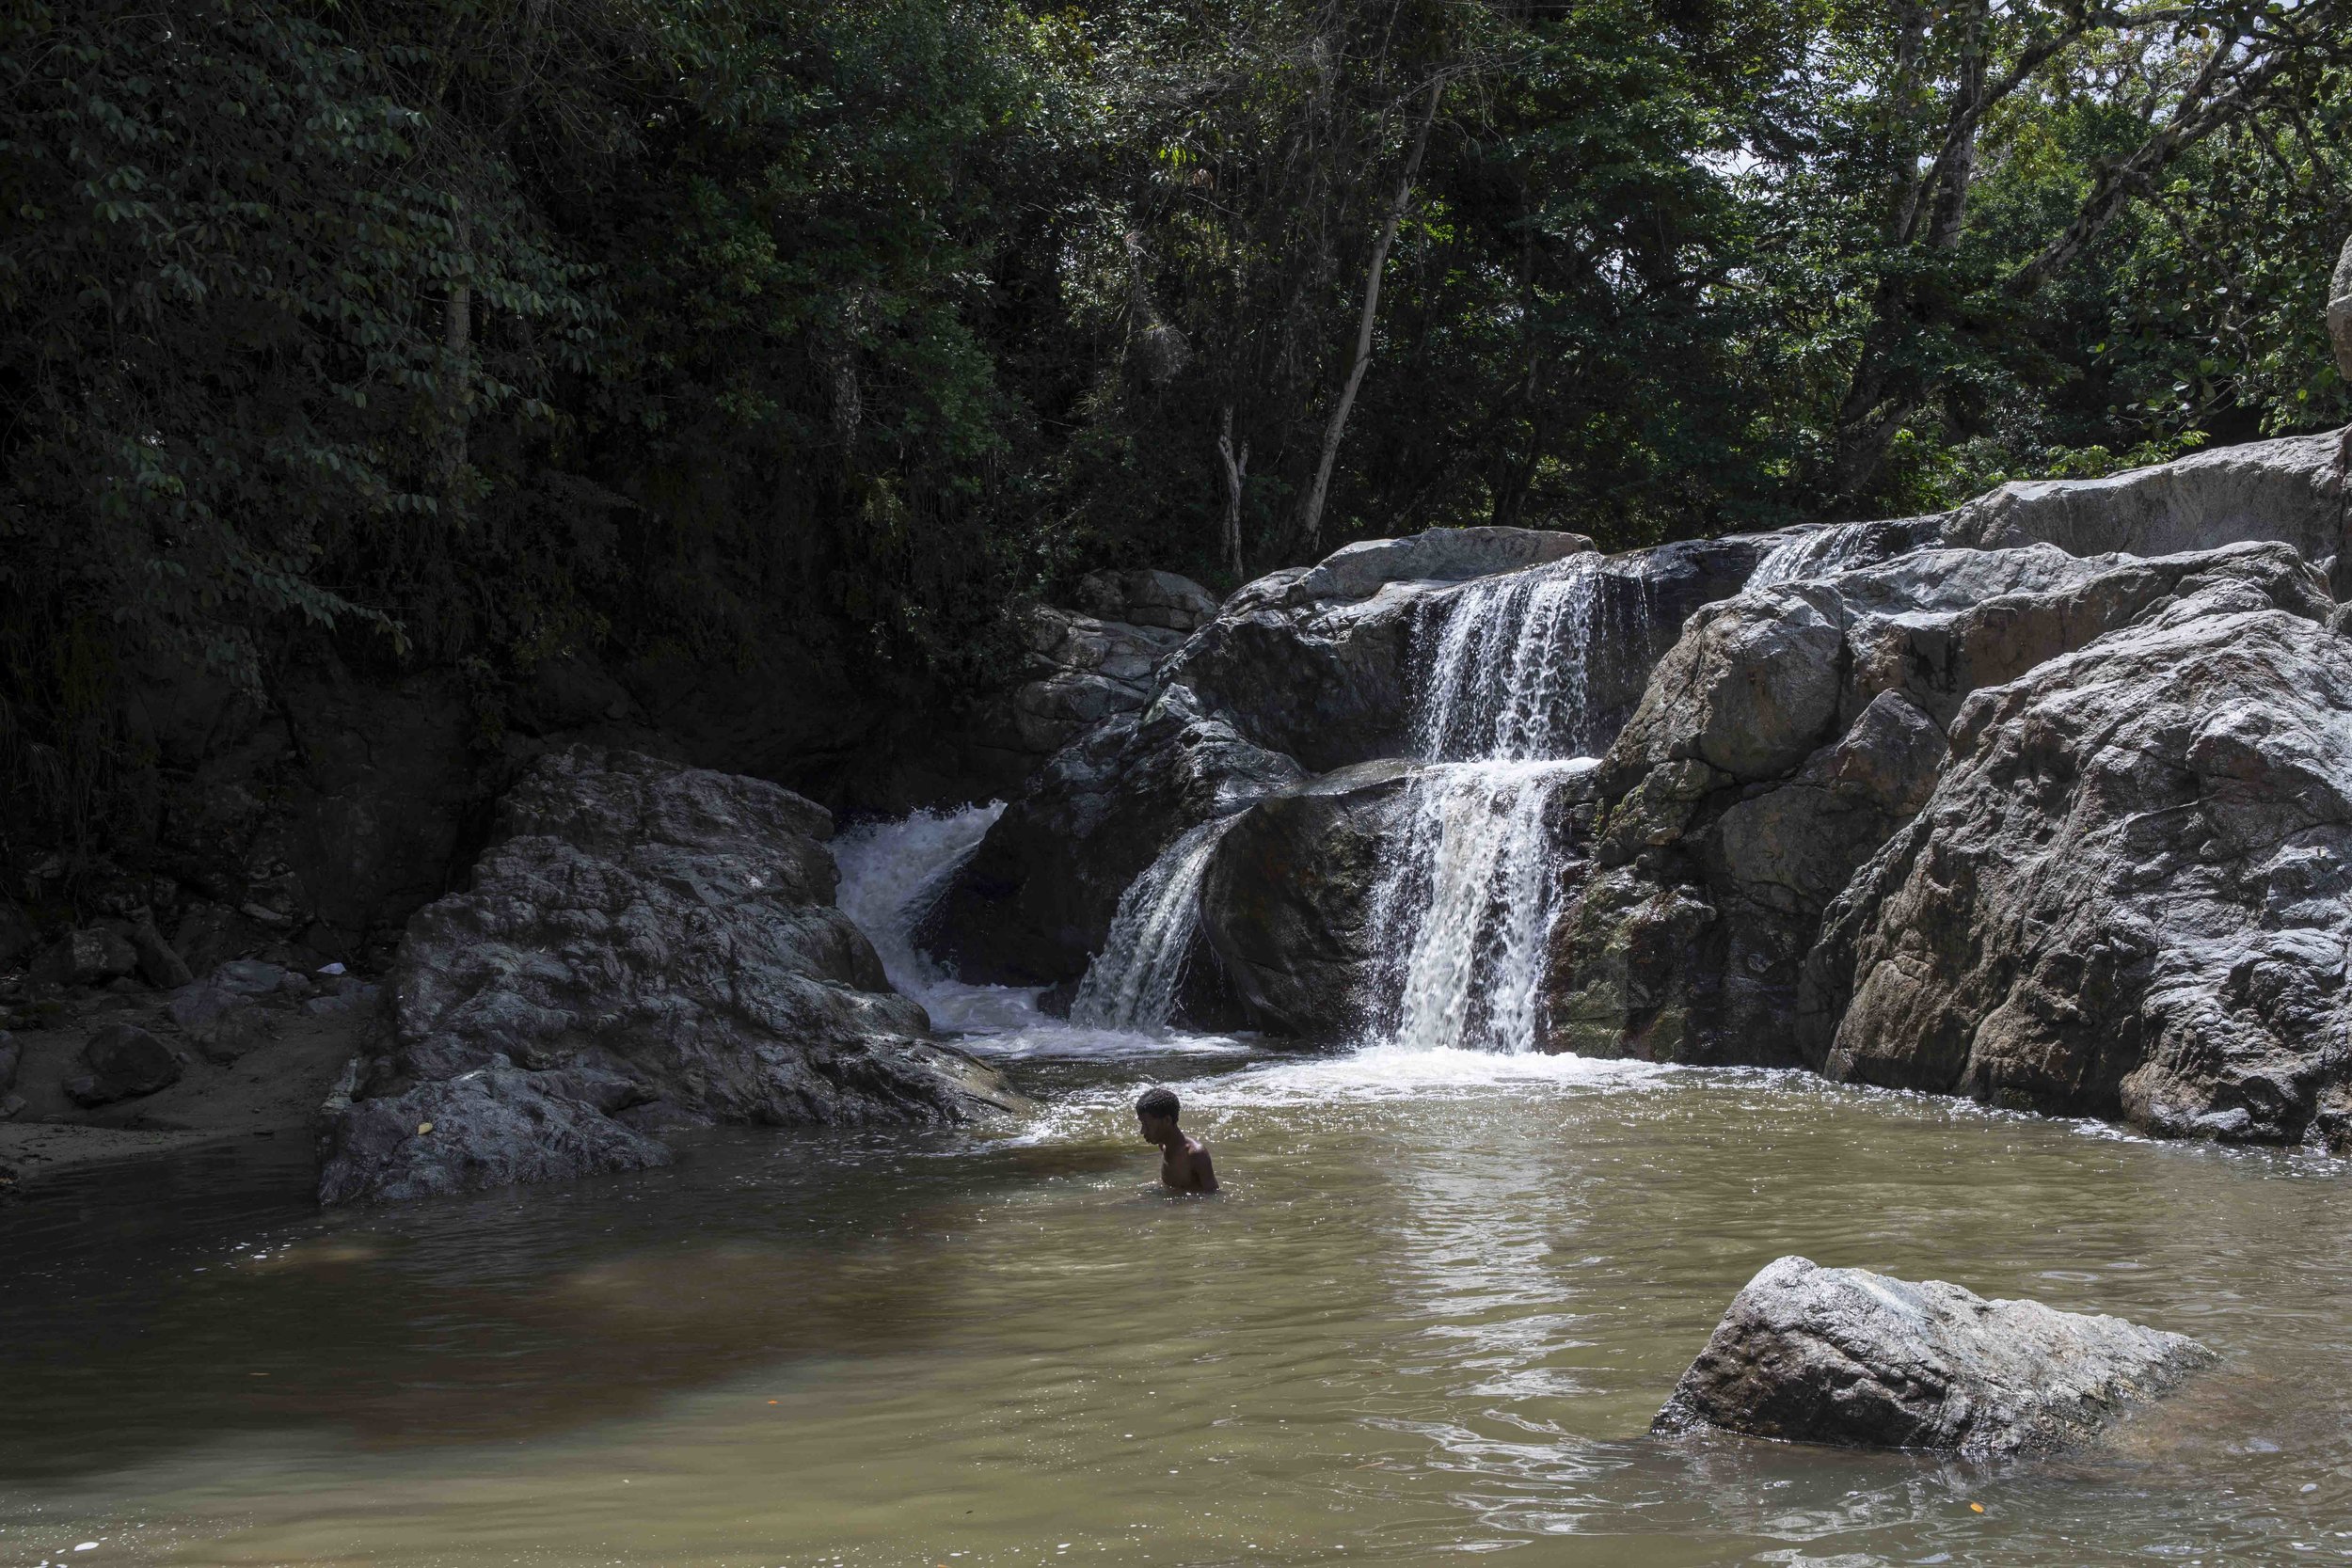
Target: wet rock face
[(1865, 1360), (1303, 672), (645, 944), (1790, 733), (1038, 897), (2128, 893), (1287, 904)]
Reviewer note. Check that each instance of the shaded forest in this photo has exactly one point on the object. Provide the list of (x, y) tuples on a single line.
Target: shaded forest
[(467, 333)]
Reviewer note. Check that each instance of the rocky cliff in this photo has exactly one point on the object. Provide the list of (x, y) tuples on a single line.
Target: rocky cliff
[(644, 946), (2042, 801)]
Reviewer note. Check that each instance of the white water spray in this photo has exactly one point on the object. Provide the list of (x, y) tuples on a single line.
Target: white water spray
[(1462, 917), (1505, 675), (1816, 554), (892, 873), (1464, 921), (1132, 983)]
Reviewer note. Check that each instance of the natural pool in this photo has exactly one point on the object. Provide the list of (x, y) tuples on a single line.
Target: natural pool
[(1432, 1313)]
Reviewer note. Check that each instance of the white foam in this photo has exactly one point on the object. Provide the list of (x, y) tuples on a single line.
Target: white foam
[(1408, 1073), (892, 873), (1132, 983), (1462, 919), (1503, 673), (1816, 554)]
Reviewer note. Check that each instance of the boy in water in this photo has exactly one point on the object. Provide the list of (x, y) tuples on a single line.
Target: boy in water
[(1183, 1158)]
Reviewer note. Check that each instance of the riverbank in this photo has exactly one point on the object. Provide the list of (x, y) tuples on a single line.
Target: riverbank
[(271, 1091)]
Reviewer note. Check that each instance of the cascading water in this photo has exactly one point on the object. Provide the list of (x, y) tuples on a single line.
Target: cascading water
[(1505, 673), (1462, 917), (1132, 983), (1462, 921), (892, 873), (1812, 555), (892, 876)]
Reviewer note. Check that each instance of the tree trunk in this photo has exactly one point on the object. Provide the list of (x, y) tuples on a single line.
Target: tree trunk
[(1236, 471), (457, 339), (1311, 519)]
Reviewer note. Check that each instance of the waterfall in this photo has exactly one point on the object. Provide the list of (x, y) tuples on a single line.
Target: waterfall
[(1815, 554), (1506, 676), (1463, 912), (892, 873), (1132, 983), (1464, 919)]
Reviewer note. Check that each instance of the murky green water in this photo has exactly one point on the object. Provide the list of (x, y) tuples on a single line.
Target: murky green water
[(1432, 1314)]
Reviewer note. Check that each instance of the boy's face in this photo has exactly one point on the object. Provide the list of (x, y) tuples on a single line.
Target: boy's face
[(1157, 1129)]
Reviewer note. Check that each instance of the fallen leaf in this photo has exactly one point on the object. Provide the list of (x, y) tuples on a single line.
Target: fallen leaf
[(422, 1127)]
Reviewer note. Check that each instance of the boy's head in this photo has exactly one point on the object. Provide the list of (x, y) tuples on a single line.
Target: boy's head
[(1156, 1111)]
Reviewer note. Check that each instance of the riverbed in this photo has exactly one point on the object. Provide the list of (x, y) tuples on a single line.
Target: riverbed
[(1432, 1313)]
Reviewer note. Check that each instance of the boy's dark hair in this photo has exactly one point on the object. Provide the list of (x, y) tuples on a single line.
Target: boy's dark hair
[(1157, 1103)]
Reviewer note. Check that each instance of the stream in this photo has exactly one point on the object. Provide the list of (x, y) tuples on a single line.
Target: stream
[(1432, 1313)]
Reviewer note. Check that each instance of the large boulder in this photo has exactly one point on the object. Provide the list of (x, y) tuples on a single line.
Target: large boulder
[(1438, 555), (1789, 735), (2130, 893), (88, 956), (122, 1061), (1079, 671), (1326, 683), (1287, 904), (1036, 900), (2340, 311), (223, 1022), (1865, 1360), (646, 944), (1140, 596), (1077, 666), (2291, 491)]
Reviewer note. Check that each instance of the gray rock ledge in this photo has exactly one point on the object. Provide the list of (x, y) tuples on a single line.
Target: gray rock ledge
[(1864, 1360)]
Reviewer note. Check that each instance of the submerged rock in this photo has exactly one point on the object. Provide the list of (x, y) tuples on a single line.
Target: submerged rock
[(1865, 1360), (645, 944)]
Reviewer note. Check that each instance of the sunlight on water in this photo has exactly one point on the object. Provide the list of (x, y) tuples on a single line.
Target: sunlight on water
[(1432, 1313)]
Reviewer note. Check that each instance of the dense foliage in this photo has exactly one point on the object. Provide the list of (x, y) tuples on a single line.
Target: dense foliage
[(479, 330)]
